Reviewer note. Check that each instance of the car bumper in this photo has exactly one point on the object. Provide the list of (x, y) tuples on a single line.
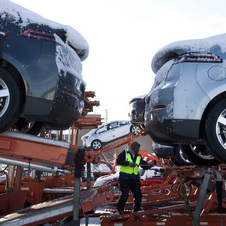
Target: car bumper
[(137, 119), (161, 123), (87, 144), (66, 109), (166, 152), (173, 131)]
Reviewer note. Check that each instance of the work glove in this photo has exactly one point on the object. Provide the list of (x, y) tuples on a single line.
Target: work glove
[(132, 164)]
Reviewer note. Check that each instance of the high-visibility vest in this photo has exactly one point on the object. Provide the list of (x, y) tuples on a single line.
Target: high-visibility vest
[(128, 169)]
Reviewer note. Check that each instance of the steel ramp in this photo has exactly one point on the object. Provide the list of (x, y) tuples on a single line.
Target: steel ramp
[(40, 213), (54, 210)]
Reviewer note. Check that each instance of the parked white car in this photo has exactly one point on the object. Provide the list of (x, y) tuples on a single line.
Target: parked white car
[(108, 132), (147, 177)]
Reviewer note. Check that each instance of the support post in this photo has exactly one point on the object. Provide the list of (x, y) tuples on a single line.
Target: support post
[(10, 179), (88, 184), (186, 201), (201, 198), (78, 174), (17, 180), (88, 175)]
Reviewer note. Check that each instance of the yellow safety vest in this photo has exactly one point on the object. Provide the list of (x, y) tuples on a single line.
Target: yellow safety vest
[(128, 169)]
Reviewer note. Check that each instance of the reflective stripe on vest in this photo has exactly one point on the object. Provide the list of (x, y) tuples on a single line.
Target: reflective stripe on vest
[(129, 169)]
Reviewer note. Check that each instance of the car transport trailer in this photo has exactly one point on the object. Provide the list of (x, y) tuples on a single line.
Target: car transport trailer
[(204, 205), (195, 197), (38, 153), (199, 208)]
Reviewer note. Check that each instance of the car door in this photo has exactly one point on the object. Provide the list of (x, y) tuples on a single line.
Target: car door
[(112, 131), (119, 129), (102, 133), (124, 128)]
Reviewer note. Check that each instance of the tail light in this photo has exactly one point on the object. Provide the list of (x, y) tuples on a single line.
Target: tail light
[(71, 93), (143, 100), (38, 35), (199, 57), (159, 107)]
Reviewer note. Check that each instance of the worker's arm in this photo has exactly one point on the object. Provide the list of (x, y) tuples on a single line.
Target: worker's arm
[(146, 165), (121, 159)]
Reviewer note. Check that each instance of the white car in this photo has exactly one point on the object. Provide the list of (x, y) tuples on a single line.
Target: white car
[(147, 177), (108, 132)]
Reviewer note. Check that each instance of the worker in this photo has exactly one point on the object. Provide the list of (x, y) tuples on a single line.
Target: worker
[(129, 161)]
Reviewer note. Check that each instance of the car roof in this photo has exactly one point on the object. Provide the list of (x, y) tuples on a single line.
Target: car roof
[(23, 17), (102, 125), (141, 97), (115, 121), (194, 45)]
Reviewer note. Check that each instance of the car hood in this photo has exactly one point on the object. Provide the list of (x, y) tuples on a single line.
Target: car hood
[(89, 133), (24, 17), (210, 44)]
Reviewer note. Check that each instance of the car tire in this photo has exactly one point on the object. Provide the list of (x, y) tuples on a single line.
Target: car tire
[(11, 100), (33, 128), (195, 156), (215, 130), (175, 162), (135, 129), (179, 158), (96, 145)]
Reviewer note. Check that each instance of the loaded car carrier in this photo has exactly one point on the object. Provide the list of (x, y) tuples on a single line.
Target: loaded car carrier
[(190, 195)]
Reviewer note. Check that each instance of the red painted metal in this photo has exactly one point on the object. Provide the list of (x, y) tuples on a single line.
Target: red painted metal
[(27, 148), (11, 201), (161, 209), (161, 205)]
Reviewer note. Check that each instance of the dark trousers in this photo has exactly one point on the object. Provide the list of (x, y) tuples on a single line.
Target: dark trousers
[(125, 186)]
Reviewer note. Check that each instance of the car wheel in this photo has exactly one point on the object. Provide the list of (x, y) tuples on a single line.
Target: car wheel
[(24, 126), (174, 162), (135, 129), (33, 128), (199, 155), (96, 145), (11, 101), (179, 158), (215, 130)]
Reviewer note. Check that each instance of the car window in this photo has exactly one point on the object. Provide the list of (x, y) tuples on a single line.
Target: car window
[(113, 125), (123, 123), (101, 130)]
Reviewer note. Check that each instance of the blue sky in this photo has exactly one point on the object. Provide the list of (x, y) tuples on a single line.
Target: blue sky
[(123, 36)]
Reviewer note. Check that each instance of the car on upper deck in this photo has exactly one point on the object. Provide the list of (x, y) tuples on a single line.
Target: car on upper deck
[(41, 80), (108, 132), (137, 109), (187, 103)]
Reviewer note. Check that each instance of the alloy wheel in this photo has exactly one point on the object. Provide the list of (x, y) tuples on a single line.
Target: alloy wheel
[(4, 97)]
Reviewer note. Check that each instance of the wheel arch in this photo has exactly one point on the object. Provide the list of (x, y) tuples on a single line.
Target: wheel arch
[(12, 70), (207, 109)]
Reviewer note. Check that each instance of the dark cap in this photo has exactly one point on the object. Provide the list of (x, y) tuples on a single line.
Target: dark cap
[(135, 146)]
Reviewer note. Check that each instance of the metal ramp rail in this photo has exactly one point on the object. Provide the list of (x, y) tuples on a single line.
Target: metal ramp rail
[(54, 210), (159, 211)]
